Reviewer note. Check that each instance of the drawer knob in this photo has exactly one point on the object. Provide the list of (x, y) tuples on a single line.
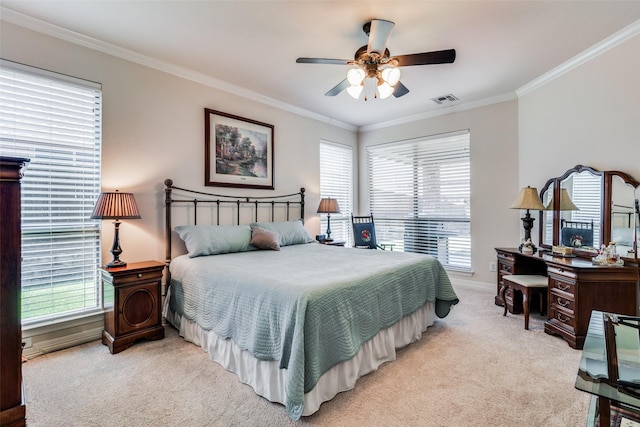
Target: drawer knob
[(563, 303), (563, 288), (139, 275)]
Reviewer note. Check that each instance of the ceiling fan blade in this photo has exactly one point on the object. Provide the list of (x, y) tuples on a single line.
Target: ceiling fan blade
[(400, 90), (338, 88), (322, 61), (426, 58), (379, 34)]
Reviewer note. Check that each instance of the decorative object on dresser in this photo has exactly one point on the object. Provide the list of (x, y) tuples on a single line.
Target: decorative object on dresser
[(239, 152), (328, 205), (117, 206), (12, 400), (132, 304), (528, 199)]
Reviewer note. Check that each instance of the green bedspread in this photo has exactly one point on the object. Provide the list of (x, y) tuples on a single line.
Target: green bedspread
[(307, 306)]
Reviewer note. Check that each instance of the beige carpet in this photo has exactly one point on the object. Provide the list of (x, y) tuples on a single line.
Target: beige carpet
[(473, 368)]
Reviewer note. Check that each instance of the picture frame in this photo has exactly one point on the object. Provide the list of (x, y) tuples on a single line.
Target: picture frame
[(239, 152)]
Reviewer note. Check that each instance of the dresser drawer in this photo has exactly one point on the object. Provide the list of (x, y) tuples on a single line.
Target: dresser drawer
[(561, 285), (505, 268), (562, 301), (562, 319)]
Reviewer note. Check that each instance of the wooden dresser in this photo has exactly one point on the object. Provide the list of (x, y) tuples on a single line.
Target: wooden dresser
[(576, 287), (12, 402)]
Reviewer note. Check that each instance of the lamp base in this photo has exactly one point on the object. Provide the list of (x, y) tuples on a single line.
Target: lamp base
[(116, 263), (527, 249)]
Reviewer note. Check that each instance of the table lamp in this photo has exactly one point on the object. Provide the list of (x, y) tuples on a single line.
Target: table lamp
[(328, 205), (528, 199), (117, 206)]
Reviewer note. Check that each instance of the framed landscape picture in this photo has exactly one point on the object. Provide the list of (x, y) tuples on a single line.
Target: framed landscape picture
[(238, 151)]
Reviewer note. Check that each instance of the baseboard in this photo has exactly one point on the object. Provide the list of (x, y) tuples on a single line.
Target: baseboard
[(455, 281), (59, 343)]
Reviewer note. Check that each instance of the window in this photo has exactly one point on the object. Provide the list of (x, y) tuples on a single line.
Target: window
[(419, 193), (55, 121), (336, 180)]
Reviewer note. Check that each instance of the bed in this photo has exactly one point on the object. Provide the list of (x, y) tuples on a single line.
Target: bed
[(296, 320)]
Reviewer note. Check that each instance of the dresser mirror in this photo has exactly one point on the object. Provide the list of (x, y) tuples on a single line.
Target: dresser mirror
[(546, 216), (625, 226), (586, 208)]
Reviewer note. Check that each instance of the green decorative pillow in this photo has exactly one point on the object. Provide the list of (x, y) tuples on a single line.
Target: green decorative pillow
[(291, 232), (265, 239), (202, 240)]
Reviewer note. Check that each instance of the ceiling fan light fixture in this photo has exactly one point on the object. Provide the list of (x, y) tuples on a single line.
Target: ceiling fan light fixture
[(391, 75), (385, 90), (355, 76), (355, 90)]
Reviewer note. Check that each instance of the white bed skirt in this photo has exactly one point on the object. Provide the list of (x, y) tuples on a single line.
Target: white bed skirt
[(268, 380)]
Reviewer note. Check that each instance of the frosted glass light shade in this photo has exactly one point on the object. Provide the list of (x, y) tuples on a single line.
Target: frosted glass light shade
[(384, 90), (391, 76), (355, 76), (355, 91)]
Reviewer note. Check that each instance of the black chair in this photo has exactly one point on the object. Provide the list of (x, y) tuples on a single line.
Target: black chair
[(576, 233), (364, 232)]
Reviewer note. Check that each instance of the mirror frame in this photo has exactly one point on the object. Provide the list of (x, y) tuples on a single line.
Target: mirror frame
[(606, 202)]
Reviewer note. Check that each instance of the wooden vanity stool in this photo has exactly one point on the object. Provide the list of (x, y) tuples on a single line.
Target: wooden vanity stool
[(530, 285)]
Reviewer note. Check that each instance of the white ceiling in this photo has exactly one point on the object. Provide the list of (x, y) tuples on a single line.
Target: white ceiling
[(250, 47)]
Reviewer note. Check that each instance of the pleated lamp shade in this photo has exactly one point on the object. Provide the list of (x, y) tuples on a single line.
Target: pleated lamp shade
[(116, 205)]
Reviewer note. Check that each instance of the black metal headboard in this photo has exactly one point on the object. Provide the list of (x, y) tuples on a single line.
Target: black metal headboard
[(237, 209)]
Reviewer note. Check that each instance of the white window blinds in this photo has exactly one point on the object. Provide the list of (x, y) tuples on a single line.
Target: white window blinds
[(419, 193), (336, 181), (55, 121)]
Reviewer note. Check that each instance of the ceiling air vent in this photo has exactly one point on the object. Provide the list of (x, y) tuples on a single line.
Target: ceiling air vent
[(444, 99)]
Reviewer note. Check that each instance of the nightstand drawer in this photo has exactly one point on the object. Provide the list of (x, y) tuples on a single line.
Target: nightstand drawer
[(125, 277)]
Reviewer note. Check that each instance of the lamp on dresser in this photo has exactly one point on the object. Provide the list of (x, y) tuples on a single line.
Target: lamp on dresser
[(328, 205), (116, 206), (566, 204), (528, 199)]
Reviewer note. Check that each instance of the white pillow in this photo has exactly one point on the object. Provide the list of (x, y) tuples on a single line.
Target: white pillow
[(203, 240)]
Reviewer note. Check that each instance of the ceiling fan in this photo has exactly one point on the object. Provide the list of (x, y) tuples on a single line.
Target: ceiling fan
[(374, 61)]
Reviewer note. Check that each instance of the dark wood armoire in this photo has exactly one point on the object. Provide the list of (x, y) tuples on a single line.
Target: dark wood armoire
[(12, 402)]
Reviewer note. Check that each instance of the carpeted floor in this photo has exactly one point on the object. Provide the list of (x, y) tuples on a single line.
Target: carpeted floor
[(473, 368)]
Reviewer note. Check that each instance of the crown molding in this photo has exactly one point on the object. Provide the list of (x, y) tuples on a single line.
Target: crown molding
[(448, 110), (61, 33), (610, 42), (55, 31)]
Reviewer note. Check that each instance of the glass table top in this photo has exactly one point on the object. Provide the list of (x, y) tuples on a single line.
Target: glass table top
[(610, 363)]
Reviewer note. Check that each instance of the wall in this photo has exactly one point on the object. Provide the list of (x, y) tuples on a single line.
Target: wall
[(494, 174), (153, 128), (588, 116)]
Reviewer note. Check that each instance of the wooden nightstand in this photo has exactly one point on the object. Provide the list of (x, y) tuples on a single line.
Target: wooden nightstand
[(132, 304), (333, 242)]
